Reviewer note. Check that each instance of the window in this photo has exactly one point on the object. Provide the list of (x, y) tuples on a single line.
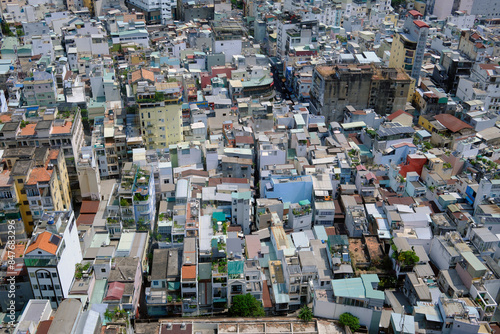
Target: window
[(35, 287), (54, 275), (103, 270), (20, 181), (57, 287)]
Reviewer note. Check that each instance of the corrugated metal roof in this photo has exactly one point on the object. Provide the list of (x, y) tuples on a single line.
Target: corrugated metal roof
[(473, 261)]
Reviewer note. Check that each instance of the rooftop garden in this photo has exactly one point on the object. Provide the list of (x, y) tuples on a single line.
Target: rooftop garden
[(407, 259), (162, 216), (80, 269), (301, 211), (139, 198), (158, 97), (215, 226), (125, 202), (112, 220), (220, 265)]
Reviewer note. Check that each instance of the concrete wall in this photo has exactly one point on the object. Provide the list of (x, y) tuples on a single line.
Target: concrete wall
[(324, 309)]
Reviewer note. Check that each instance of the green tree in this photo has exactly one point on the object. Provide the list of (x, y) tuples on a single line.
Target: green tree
[(347, 319), (246, 306), (408, 258), (305, 313), (108, 314), (6, 29)]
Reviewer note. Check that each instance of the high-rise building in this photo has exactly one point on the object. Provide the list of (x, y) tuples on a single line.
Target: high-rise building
[(160, 115), (362, 86), (408, 46)]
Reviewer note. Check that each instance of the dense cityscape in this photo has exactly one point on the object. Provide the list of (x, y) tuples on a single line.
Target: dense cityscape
[(249, 166)]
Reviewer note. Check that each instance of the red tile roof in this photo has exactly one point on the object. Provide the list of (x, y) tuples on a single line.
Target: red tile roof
[(266, 296), (212, 182), (488, 66), (115, 291), (45, 241), (330, 230), (400, 200), (451, 122), (89, 207), (28, 130), (85, 219), (244, 140), (480, 46), (398, 145), (39, 174), (188, 272), (66, 128), (414, 13), (397, 114), (5, 118), (421, 24), (194, 172), (475, 36), (143, 74), (18, 251), (43, 327)]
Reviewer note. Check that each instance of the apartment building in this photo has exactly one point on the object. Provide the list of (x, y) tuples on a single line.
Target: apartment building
[(52, 250), (227, 38), (361, 86), (9, 208), (110, 146), (89, 176), (40, 89), (48, 128), (41, 182), (161, 121), (408, 46), (133, 200)]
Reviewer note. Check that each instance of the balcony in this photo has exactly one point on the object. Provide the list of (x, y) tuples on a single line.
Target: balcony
[(40, 262)]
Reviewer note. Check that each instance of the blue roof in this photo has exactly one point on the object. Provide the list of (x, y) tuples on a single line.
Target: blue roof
[(349, 287), (358, 287), (293, 191), (369, 281), (320, 232), (423, 133), (403, 326), (280, 294)]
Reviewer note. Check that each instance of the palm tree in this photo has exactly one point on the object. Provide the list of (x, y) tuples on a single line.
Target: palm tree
[(305, 314)]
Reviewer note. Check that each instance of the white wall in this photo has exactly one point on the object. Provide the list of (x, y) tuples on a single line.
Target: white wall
[(324, 309), (230, 48), (438, 255), (70, 257)]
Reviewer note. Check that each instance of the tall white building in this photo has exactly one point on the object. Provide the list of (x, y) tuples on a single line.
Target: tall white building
[(51, 256)]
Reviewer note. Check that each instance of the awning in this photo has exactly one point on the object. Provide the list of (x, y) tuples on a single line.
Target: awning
[(172, 286), (235, 268)]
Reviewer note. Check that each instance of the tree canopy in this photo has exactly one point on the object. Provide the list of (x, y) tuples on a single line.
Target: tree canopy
[(347, 319), (305, 314), (408, 258), (246, 306)]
